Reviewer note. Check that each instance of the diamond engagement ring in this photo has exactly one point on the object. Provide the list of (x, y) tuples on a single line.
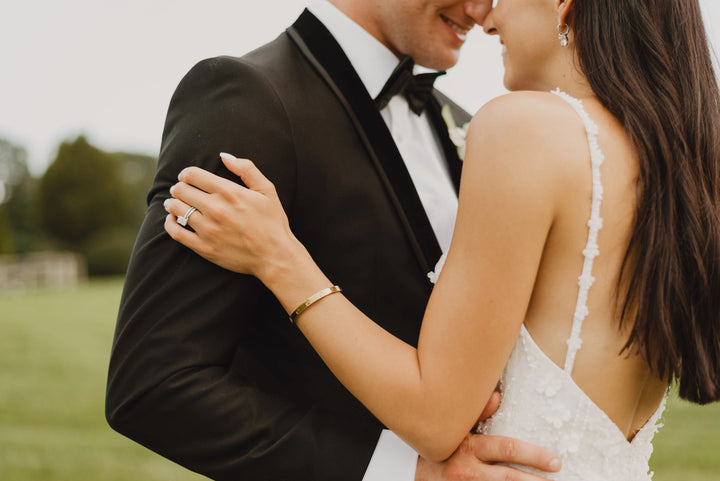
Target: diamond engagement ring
[(184, 219)]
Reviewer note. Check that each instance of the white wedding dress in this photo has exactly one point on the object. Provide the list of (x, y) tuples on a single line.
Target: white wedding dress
[(542, 404)]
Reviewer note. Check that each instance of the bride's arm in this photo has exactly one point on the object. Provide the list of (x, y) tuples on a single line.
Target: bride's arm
[(430, 396)]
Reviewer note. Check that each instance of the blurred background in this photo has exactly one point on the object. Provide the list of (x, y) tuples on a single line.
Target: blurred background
[(84, 90)]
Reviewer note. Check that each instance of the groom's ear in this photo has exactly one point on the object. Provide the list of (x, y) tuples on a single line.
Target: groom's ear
[(564, 8)]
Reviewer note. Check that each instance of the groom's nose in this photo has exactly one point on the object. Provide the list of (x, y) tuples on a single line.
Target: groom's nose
[(478, 10)]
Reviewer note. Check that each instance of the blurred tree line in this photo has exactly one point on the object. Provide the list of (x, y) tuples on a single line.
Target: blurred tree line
[(88, 201)]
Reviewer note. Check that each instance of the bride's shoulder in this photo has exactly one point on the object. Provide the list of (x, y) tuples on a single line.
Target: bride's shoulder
[(526, 112), (533, 138), (532, 126)]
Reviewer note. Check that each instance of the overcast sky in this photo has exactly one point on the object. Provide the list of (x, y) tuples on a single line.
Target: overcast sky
[(107, 68)]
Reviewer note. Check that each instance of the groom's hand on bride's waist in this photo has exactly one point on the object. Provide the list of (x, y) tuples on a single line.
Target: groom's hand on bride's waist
[(476, 458)]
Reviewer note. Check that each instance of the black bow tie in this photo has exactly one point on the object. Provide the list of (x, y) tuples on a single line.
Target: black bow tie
[(416, 88)]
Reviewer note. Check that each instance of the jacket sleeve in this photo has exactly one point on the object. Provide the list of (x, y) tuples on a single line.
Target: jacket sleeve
[(170, 386)]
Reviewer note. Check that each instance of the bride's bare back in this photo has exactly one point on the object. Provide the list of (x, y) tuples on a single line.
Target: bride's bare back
[(621, 385)]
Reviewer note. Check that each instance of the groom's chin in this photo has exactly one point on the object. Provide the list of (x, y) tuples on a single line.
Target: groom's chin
[(441, 60)]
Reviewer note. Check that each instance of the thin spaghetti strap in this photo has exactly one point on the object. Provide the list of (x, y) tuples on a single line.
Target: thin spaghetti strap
[(586, 280)]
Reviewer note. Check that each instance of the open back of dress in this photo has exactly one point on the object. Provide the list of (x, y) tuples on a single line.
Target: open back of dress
[(541, 402)]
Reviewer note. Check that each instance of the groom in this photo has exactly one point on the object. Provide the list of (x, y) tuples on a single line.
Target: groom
[(205, 368)]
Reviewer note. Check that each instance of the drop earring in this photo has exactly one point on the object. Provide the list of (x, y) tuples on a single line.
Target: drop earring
[(563, 31)]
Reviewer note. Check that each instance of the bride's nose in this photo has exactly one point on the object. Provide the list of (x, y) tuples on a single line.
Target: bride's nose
[(489, 24), (478, 10)]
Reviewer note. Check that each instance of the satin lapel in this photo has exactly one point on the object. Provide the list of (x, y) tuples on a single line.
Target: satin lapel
[(324, 53), (454, 163)]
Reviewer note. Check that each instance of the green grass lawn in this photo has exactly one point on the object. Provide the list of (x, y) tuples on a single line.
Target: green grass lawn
[(54, 348), (687, 448)]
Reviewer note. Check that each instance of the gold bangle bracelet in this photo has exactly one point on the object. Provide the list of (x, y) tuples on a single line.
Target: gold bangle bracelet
[(313, 299)]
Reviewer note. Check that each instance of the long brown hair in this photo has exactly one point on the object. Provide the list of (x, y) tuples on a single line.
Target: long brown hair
[(649, 63)]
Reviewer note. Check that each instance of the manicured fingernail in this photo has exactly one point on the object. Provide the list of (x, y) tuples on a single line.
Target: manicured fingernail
[(228, 157), (181, 175), (166, 204), (172, 189), (555, 464)]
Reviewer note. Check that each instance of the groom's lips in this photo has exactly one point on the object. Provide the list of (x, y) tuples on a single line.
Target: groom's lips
[(460, 30)]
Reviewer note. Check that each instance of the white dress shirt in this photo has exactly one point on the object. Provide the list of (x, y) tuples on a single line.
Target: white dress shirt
[(393, 460)]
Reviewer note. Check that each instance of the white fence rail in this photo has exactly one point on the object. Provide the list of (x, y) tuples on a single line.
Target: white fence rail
[(41, 269)]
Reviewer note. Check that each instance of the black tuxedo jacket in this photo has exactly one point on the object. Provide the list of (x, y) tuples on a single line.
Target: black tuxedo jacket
[(206, 369)]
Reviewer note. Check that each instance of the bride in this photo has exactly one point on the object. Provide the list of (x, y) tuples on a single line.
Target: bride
[(585, 263)]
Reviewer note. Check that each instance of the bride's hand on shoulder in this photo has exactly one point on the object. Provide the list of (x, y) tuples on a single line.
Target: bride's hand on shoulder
[(242, 229)]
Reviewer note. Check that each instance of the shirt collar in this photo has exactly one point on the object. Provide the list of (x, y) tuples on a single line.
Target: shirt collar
[(372, 60)]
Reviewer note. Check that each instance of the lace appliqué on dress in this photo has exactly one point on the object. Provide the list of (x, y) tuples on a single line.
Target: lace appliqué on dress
[(591, 251), (542, 404)]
